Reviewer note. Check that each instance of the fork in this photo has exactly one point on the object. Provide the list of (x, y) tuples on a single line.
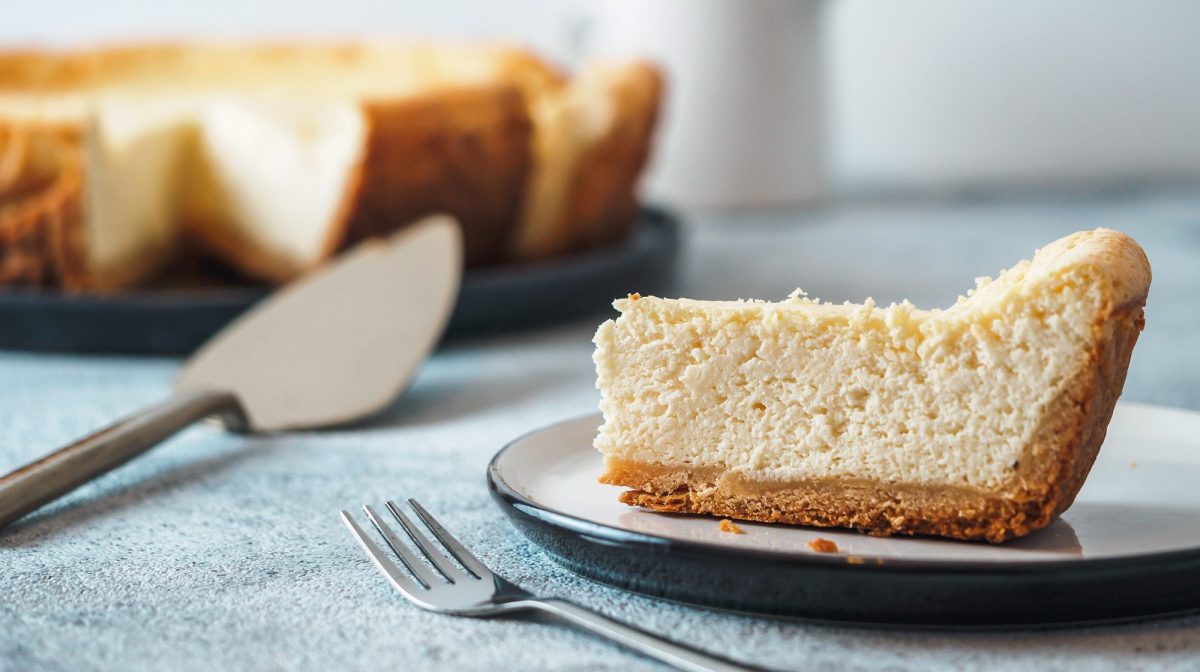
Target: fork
[(471, 589)]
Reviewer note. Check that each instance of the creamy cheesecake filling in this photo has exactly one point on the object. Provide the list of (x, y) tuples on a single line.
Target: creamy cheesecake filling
[(801, 390), (261, 173), (134, 151), (280, 171)]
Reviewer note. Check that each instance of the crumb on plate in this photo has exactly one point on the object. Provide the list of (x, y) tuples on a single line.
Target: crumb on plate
[(728, 525), (823, 546)]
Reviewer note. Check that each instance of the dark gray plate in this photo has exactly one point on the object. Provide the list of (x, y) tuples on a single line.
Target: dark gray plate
[(177, 321), (1128, 549)]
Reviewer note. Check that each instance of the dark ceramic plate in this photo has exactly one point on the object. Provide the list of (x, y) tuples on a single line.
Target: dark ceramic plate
[(1128, 549), (177, 321)]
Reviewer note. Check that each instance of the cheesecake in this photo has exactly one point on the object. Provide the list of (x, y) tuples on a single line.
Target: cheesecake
[(272, 157), (980, 421)]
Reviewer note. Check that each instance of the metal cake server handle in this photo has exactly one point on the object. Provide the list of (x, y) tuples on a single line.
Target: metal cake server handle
[(42, 481)]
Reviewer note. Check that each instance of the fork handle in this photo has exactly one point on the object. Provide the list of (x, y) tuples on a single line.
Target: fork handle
[(677, 655), (60, 472)]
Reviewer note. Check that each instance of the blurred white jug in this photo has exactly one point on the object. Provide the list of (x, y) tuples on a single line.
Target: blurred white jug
[(744, 120)]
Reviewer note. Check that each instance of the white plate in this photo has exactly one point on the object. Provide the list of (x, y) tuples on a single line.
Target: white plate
[(1138, 513)]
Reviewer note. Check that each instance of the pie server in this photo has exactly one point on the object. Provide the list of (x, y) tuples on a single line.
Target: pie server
[(330, 348)]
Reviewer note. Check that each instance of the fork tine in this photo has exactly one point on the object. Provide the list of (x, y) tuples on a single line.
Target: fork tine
[(397, 578), (447, 568), (457, 550), (410, 559)]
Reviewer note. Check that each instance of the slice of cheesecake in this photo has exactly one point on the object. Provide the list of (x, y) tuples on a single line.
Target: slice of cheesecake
[(980, 421)]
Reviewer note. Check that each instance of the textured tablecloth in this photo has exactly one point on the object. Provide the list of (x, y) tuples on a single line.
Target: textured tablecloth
[(219, 552)]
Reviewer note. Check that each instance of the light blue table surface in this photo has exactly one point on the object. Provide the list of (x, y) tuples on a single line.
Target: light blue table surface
[(218, 552)]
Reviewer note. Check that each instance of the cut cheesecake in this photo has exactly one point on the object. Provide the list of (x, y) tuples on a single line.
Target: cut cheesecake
[(273, 157), (980, 421)]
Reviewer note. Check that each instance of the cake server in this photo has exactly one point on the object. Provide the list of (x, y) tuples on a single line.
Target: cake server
[(330, 348)]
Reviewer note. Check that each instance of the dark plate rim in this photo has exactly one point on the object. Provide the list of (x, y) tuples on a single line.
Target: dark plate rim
[(652, 220), (594, 532)]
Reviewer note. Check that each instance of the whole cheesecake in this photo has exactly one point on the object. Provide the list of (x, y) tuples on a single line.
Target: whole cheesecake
[(980, 421), (268, 158)]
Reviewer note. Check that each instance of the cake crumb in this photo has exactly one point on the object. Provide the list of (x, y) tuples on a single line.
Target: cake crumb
[(855, 560), (823, 546), (634, 296), (1133, 465), (728, 525)]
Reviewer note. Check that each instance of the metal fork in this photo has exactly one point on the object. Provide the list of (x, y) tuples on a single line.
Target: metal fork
[(474, 590)]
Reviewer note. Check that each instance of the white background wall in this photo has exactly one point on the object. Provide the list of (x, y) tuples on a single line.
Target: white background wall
[(1026, 92), (923, 94)]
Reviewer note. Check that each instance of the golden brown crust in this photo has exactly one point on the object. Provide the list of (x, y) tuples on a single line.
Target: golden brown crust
[(40, 207), (31, 229), (183, 63), (1095, 400), (880, 509), (1110, 255), (1044, 485), (464, 152)]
